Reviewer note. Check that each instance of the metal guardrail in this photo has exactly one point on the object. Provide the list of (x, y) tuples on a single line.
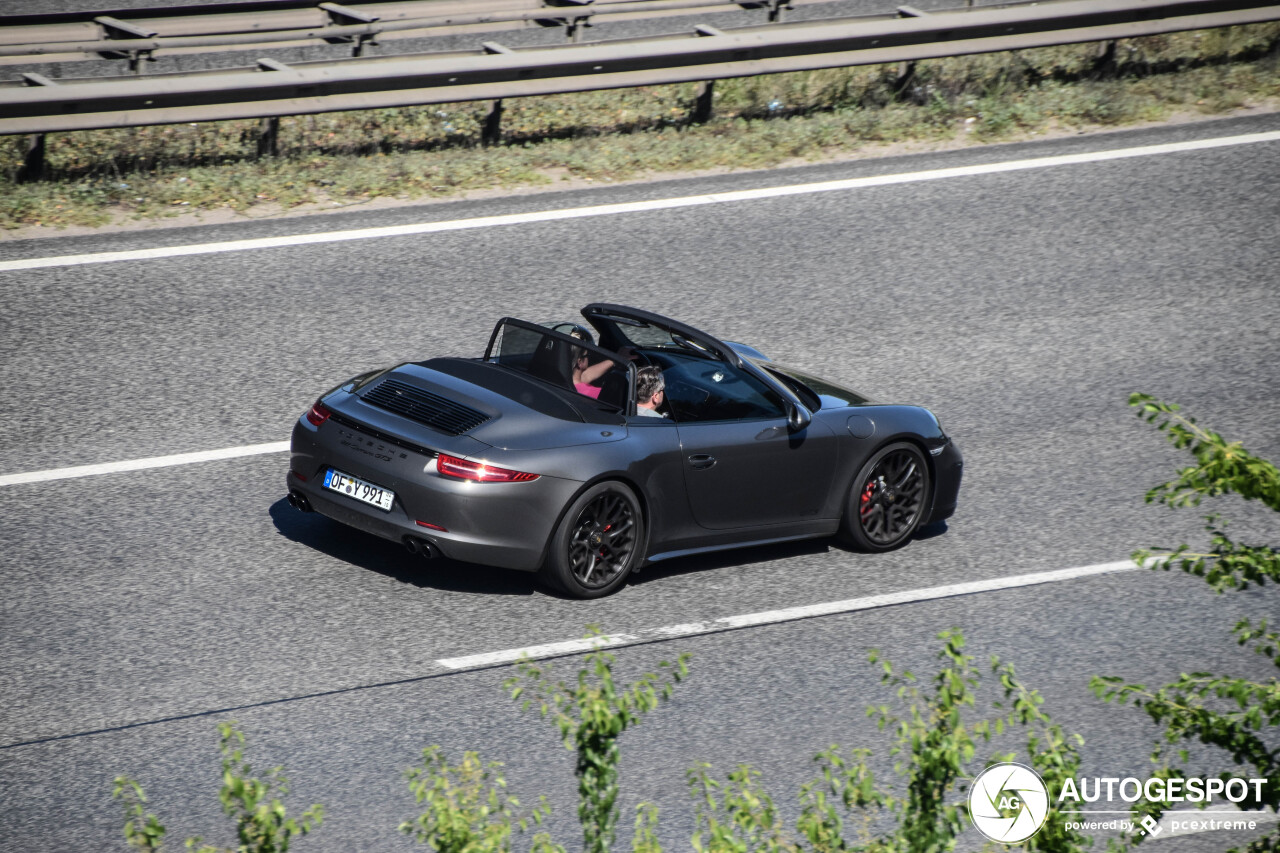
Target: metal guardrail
[(279, 90), (151, 34)]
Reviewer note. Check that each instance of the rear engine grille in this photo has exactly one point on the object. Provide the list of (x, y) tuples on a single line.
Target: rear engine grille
[(428, 409)]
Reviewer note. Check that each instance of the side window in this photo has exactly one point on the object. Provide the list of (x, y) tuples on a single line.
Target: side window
[(714, 391)]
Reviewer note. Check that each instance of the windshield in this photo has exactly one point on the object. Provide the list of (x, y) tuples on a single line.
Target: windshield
[(640, 335), (811, 388)]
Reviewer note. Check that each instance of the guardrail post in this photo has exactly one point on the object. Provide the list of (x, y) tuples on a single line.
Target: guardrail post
[(902, 81), (702, 105), (339, 14), (491, 130), (114, 28), (704, 102), (269, 127), (906, 70), (1104, 63), (33, 166), (269, 137), (574, 25)]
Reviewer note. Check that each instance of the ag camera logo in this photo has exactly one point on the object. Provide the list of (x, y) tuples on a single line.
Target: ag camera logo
[(1008, 802)]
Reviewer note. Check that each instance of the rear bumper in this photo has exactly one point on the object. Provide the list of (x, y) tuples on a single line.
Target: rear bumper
[(506, 525), (948, 467)]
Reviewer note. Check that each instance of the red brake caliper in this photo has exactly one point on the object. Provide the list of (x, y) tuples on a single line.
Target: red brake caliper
[(866, 495)]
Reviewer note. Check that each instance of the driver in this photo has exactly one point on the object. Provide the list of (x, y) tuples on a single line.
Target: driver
[(650, 391)]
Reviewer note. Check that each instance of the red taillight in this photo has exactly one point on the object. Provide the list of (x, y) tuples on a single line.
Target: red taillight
[(452, 466), (318, 414), (431, 526)]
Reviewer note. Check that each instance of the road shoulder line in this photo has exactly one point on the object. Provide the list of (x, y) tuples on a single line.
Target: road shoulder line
[(638, 206)]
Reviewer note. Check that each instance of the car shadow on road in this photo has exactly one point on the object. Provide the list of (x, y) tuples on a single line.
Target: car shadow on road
[(698, 563), (758, 554), (373, 554)]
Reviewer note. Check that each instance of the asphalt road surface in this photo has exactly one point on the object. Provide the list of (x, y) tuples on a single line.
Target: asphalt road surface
[(1023, 306)]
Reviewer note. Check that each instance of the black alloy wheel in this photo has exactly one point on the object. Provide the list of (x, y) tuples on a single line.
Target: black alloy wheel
[(597, 542), (888, 499)]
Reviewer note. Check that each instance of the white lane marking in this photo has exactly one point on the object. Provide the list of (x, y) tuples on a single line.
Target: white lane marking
[(637, 206), (790, 614), (547, 650), (142, 464)]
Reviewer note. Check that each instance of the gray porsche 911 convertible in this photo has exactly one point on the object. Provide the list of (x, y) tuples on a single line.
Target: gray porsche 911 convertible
[(513, 460)]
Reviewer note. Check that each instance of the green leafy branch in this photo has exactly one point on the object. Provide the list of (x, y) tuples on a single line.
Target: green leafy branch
[(847, 781), (1232, 714), (591, 715), (1054, 755), (1181, 708), (736, 816), (142, 829), (934, 747), (1220, 467), (262, 821), (468, 809)]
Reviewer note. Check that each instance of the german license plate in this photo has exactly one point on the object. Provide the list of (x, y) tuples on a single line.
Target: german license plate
[(356, 488)]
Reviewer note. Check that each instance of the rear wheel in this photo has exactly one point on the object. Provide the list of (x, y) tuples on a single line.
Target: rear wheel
[(887, 499), (597, 542)]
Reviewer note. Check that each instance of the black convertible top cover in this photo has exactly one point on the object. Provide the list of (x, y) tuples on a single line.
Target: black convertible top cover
[(526, 391)]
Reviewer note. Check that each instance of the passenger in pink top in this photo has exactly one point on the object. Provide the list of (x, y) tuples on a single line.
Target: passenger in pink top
[(585, 374)]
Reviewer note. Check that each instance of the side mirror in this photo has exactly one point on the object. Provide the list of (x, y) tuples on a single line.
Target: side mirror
[(798, 417)]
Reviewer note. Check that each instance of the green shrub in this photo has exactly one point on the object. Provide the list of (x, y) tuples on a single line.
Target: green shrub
[(590, 714), (934, 747), (1233, 714), (468, 807), (262, 822)]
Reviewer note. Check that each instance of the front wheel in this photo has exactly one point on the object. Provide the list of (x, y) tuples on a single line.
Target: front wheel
[(887, 499), (597, 542)]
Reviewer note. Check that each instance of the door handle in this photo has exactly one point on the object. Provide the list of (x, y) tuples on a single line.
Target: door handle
[(701, 461)]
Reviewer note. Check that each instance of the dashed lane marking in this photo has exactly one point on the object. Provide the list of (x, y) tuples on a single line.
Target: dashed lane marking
[(142, 464), (790, 614)]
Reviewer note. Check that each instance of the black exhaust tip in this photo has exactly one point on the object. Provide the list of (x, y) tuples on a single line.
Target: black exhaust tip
[(299, 501), (421, 548)]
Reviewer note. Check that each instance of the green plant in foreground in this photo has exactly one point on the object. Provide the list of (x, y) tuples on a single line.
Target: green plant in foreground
[(1233, 714), (141, 828), (934, 747), (591, 714), (468, 807), (262, 822)]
